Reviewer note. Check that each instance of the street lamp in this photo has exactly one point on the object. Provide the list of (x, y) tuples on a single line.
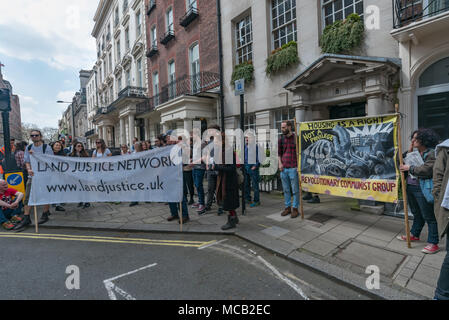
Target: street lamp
[(73, 116)]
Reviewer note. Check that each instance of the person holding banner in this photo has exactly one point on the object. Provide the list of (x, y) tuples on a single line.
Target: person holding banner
[(174, 206), (441, 196), (39, 147), (58, 150), (80, 152), (422, 208), (288, 166), (10, 210)]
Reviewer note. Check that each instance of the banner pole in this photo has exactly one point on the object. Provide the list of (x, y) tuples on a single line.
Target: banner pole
[(404, 186), (298, 169), (180, 211), (36, 224)]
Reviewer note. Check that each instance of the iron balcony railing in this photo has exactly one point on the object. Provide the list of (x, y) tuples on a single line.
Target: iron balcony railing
[(408, 11), (89, 133), (186, 85), (190, 15), (153, 50), (132, 92), (169, 35), (151, 6)]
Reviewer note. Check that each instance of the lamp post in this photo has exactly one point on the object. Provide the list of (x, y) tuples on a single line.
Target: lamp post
[(5, 108), (73, 117)]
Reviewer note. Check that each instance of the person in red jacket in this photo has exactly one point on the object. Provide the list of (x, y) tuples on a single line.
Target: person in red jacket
[(9, 209)]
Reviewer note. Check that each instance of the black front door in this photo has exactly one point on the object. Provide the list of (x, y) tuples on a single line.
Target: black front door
[(433, 113), (353, 110)]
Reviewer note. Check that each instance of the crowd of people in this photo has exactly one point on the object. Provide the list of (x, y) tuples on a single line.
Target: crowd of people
[(426, 185)]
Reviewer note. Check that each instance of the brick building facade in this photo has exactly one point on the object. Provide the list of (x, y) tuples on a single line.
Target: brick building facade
[(183, 65)]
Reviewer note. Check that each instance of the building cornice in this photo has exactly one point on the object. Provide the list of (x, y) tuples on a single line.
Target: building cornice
[(100, 15)]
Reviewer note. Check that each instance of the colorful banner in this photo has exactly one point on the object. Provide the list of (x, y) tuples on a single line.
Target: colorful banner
[(152, 176), (353, 158)]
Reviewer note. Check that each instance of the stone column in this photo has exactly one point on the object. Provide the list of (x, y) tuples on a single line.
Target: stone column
[(375, 105), (104, 134), (122, 131), (147, 129), (131, 128), (188, 125)]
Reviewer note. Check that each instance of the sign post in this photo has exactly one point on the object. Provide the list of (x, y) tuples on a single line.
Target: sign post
[(240, 91)]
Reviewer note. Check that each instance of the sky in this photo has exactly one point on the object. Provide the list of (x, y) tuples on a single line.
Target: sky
[(43, 45)]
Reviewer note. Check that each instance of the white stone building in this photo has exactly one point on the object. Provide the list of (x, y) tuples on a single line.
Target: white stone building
[(119, 81), (421, 27), (320, 86)]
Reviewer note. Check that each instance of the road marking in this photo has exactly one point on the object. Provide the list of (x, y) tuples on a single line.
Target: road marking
[(111, 287), (179, 243), (131, 272), (211, 243), (283, 278)]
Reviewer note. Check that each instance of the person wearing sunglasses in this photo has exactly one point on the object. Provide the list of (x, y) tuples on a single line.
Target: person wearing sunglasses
[(37, 147), (101, 150), (80, 152)]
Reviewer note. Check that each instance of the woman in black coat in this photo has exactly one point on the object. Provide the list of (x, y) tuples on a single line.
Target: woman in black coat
[(227, 189)]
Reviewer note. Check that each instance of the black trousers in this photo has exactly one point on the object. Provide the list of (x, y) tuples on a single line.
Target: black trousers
[(188, 178)]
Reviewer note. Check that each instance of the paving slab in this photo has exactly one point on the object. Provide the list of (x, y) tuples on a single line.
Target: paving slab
[(427, 275), (303, 234), (365, 255), (421, 288), (320, 247), (275, 231)]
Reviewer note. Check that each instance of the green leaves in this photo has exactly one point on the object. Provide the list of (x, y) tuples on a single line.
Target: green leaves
[(343, 35), (282, 57), (245, 71)]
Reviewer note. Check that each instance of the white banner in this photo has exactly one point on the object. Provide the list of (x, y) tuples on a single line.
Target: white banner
[(151, 176)]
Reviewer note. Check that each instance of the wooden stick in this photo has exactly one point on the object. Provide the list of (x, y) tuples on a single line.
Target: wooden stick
[(298, 152), (36, 224), (404, 186)]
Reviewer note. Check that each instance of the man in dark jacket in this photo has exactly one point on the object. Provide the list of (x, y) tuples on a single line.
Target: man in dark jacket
[(441, 196)]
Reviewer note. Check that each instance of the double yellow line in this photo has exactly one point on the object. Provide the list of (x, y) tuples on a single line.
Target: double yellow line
[(155, 242)]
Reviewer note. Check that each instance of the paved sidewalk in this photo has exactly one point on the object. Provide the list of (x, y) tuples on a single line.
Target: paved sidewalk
[(333, 238)]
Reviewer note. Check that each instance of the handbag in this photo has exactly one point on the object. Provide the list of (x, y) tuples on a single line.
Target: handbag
[(426, 188)]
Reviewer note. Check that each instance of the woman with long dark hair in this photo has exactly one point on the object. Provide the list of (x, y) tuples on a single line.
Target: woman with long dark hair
[(227, 191), (101, 150), (79, 151), (424, 140)]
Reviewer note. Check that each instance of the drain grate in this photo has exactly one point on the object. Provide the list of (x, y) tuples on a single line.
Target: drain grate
[(320, 217)]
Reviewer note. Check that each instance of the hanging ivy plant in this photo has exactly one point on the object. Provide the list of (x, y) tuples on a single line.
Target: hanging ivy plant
[(282, 57), (245, 71), (343, 35)]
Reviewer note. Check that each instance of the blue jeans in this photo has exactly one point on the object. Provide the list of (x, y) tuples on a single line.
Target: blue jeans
[(422, 213), (442, 291), (290, 185), (252, 178), (6, 214), (198, 176)]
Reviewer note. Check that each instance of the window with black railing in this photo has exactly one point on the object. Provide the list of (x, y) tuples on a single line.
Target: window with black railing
[(408, 11), (183, 86)]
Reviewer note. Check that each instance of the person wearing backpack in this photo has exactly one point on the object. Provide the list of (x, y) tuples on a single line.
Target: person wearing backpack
[(37, 147), (418, 198)]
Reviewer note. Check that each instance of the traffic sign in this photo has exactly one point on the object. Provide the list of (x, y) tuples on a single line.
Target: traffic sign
[(239, 87)]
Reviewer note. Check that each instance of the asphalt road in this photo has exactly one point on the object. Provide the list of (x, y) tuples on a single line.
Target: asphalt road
[(144, 266)]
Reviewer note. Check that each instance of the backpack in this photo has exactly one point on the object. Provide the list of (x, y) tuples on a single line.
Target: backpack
[(44, 147), (427, 185)]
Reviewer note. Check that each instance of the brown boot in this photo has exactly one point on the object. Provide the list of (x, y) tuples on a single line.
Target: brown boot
[(295, 213), (286, 211)]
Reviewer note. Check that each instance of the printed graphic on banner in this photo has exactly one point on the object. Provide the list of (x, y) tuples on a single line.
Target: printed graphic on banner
[(153, 176), (353, 158)]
